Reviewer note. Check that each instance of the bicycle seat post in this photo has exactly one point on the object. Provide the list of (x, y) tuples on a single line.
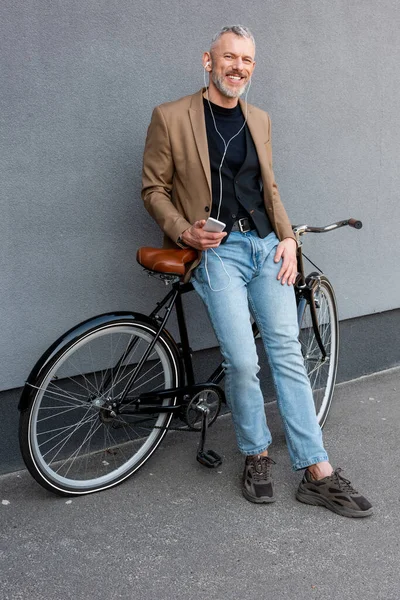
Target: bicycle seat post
[(184, 345)]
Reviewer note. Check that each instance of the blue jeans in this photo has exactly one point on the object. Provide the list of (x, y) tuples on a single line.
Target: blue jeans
[(252, 287)]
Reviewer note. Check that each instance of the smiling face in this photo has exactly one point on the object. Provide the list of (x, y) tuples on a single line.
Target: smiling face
[(231, 66)]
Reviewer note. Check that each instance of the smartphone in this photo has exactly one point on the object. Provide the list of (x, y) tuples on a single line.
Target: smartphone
[(214, 226)]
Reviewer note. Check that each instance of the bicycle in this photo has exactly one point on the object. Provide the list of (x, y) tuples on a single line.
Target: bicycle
[(99, 401)]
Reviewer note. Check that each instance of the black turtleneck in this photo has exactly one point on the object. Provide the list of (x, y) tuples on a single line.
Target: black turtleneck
[(228, 121), (241, 177)]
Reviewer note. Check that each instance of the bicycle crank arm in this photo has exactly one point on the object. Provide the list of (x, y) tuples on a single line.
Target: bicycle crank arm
[(208, 458)]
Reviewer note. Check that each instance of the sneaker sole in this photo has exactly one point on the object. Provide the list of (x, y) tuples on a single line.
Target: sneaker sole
[(308, 497), (260, 500)]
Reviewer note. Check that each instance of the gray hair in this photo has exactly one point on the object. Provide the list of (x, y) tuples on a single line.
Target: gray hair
[(238, 30)]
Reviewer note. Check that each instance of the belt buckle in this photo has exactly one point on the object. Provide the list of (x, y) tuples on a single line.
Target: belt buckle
[(242, 226)]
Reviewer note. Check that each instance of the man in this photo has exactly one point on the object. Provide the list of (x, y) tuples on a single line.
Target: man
[(210, 155)]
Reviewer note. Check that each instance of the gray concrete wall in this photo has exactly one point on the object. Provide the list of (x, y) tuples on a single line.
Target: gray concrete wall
[(79, 81)]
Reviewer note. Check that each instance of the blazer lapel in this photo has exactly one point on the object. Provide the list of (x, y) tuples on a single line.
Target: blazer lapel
[(196, 114)]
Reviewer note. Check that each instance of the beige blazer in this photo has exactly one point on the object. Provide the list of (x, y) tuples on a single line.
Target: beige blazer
[(176, 168)]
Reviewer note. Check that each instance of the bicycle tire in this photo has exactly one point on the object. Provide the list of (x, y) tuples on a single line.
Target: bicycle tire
[(70, 442), (321, 372)]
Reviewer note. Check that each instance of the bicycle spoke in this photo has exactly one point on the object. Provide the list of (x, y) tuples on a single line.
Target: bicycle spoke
[(321, 370), (62, 412), (60, 445), (58, 395), (78, 437), (74, 455)]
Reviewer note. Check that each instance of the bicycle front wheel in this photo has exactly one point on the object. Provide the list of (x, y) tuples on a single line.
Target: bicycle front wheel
[(75, 437), (321, 370)]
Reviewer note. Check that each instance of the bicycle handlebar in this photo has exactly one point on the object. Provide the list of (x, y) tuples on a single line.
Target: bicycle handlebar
[(354, 223), (301, 229)]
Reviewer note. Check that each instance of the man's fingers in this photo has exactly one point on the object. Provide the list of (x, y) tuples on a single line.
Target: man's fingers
[(287, 270), (278, 254), (284, 267), (287, 278), (207, 245), (207, 235), (199, 224), (211, 235), (202, 240), (197, 238), (288, 274)]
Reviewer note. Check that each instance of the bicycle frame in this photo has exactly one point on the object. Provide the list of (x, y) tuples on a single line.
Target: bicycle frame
[(150, 401), (103, 390), (304, 289)]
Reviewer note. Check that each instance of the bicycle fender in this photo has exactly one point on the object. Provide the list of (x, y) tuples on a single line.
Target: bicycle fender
[(85, 327)]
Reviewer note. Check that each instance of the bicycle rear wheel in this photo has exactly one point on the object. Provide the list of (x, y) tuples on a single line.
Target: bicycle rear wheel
[(321, 370), (75, 437)]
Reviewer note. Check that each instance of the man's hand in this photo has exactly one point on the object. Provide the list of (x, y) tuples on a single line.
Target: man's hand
[(286, 251), (197, 238)]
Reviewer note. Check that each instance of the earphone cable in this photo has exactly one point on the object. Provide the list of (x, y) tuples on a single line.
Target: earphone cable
[(226, 144)]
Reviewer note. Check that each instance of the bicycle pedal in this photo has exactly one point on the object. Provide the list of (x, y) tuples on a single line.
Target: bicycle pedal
[(209, 459)]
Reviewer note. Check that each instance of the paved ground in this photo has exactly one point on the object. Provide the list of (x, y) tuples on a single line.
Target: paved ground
[(177, 531)]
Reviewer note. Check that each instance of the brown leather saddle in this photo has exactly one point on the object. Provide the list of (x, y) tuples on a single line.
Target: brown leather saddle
[(168, 261)]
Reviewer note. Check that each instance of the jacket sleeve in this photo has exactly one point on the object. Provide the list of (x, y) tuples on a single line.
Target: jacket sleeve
[(157, 178), (283, 225)]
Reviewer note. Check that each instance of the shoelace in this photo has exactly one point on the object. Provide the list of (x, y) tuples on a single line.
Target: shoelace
[(342, 483), (261, 467)]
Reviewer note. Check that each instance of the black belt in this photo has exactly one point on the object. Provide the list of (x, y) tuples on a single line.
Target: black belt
[(243, 225)]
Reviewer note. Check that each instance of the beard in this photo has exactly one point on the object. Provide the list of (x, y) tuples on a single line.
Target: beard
[(219, 82)]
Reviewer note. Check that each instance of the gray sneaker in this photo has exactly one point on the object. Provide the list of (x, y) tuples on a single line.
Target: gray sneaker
[(334, 492), (257, 484)]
